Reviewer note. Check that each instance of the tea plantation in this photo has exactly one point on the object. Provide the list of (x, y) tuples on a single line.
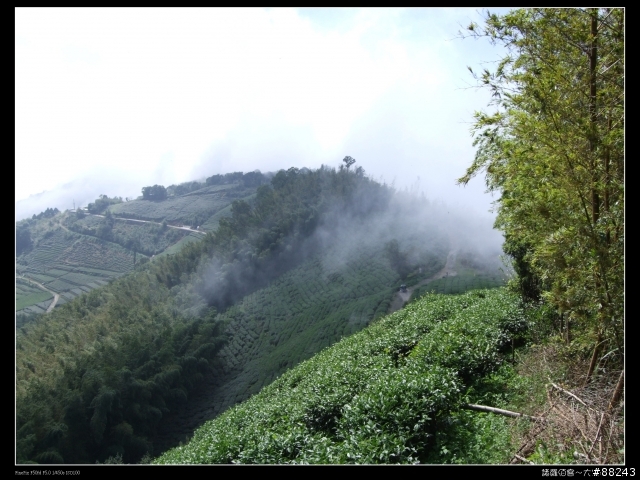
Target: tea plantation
[(194, 208), (392, 393), (69, 264)]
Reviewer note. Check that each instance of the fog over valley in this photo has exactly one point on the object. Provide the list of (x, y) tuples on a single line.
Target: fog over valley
[(109, 100)]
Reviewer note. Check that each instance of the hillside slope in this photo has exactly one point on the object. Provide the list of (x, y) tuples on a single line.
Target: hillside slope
[(388, 394), (100, 375), (71, 253)]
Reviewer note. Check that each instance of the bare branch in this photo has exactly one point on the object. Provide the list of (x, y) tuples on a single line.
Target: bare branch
[(499, 411)]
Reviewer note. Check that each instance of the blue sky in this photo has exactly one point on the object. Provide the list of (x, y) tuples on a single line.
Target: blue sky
[(122, 98)]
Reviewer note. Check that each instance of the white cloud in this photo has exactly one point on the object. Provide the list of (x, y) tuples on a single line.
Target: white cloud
[(166, 95)]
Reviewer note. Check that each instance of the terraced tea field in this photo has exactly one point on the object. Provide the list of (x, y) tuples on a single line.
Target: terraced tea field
[(380, 396), (73, 255), (176, 247), (69, 264), (151, 238), (193, 208), (73, 262), (27, 294), (463, 280), (464, 283)]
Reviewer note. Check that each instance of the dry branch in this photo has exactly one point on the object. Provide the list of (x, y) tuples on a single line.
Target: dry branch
[(568, 393), (597, 434), (522, 459), (499, 411), (528, 446)]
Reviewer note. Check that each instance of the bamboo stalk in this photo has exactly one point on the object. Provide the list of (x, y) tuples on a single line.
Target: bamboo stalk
[(499, 411), (594, 358), (617, 393)]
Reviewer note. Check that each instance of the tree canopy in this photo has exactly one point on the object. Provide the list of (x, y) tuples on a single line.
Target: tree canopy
[(348, 161), (553, 147), (101, 203), (157, 192)]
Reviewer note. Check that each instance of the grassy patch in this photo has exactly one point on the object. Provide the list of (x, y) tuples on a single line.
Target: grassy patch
[(176, 247), (32, 299)]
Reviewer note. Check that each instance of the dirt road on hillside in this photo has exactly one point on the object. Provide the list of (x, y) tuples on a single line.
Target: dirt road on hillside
[(401, 298), (189, 229), (56, 296)]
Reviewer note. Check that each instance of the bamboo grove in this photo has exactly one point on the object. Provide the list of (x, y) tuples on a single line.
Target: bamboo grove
[(553, 147)]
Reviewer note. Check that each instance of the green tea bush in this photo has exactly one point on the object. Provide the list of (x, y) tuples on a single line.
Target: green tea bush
[(471, 342), (389, 394)]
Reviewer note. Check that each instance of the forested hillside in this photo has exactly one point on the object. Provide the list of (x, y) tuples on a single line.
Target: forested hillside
[(96, 377), (328, 297)]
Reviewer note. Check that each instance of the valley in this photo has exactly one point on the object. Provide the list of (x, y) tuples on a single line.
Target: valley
[(164, 331), (314, 266)]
